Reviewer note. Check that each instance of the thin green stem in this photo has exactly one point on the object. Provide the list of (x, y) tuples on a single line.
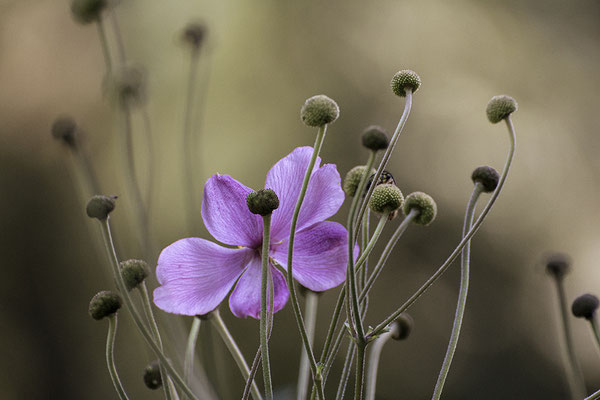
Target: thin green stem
[(151, 161), (253, 371), (110, 357), (364, 242), (379, 328), (233, 348), (360, 263), (289, 276), (462, 294), (358, 195), (118, 36), (190, 350), (350, 353), (594, 396), (104, 44), (137, 318), (88, 176), (374, 356), (312, 303), (595, 331), (359, 387), (264, 340)]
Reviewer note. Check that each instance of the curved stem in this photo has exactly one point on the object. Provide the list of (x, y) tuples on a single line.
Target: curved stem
[(374, 357), (350, 353), (360, 263), (289, 276), (264, 340), (594, 325), (364, 242), (462, 295), (234, 350), (118, 36), (190, 350), (110, 358), (594, 396), (253, 371), (151, 162), (104, 45), (379, 328), (312, 303)]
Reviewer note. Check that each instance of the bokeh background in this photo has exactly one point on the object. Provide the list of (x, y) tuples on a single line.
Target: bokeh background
[(260, 61)]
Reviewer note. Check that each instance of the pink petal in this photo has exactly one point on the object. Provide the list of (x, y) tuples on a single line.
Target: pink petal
[(245, 298), (226, 213), (196, 275), (320, 255), (324, 195)]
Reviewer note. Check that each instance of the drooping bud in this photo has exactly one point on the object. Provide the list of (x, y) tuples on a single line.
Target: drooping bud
[(402, 326), (195, 34), (152, 378), (500, 107), (487, 176), (352, 179), (558, 265), (100, 206), (104, 304), (87, 11), (424, 204), (386, 199), (585, 306), (375, 138), (319, 110), (262, 202), (134, 272), (405, 79), (65, 129)]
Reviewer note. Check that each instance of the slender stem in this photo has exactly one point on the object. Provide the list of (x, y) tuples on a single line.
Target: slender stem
[(312, 302), (253, 371), (594, 325), (594, 396), (379, 328), (289, 276), (364, 242), (110, 357), (350, 353), (386, 156), (118, 36), (137, 319), (234, 350), (573, 370), (360, 263), (374, 357), (190, 350), (462, 294), (359, 387), (151, 162), (264, 340), (362, 184), (104, 45), (89, 179)]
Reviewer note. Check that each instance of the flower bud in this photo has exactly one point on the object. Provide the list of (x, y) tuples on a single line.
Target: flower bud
[(402, 326), (319, 110), (500, 107), (405, 79), (425, 204), (585, 306), (87, 11), (558, 265), (262, 202), (375, 138), (386, 199), (194, 34), (352, 179), (65, 129), (100, 206), (134, 272), (152, 378), (104, 304), (487, 176), (128, 85)]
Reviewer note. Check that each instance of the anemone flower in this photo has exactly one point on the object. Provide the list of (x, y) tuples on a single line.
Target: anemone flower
[(196, 275)]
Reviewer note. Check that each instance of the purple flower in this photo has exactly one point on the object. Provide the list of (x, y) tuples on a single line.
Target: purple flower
[(196, 275)]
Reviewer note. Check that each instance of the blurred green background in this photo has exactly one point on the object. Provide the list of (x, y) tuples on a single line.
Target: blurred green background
[(262, 59)]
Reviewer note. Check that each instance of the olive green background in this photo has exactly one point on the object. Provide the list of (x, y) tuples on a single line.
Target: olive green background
[(261, 61)]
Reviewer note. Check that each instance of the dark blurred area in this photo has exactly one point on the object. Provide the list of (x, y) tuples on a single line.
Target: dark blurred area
[(261, 61)]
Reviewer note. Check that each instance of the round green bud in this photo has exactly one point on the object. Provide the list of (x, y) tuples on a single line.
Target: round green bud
[(65, 129), (425, 204), (375, 138), (319, 110), (352, 179), (152, 378), (500, 107), (104, 304), (262, 202), (100, 206), (487, 176), (386, 199), (134, 272), (402, 326), (585, 306), (194, 34), (405, 79), (558, 265), (87, 11)]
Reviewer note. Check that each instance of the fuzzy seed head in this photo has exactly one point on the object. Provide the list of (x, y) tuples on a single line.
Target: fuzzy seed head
[(104, 304), (87, 11), (405, 79), (558, 265), (152, 378), (585, 306), (319, 110), (134, 272), (487, 176), (262, 202), (352, 179), (65, 129), (100, 206), (386, 199), (375, 138), (500, 107), (128, 85), (194, 34), (425, 204), (402, 326)]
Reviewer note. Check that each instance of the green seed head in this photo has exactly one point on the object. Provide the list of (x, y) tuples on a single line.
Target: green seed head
[(585, 306), (500, 107), (375, 138), (487, 176), (386, 199), (134, 272), (319, 110), (100, 206), (65, 129), (352, 179), (87, 11), (402, 326), (152, 378), (262, 202), (405, 79), (104, 304), (424, 204)]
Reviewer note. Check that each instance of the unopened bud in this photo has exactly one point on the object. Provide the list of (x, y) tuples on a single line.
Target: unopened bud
[(585, 306), (386, 199), (487, 176), (104, 304), (558, 265), (100, 206), (403, 80), (424, 204), (375, 138), (352, 179), (262, 202), (87, 11), (134, 272), (500, 107), (319, 110), (402, 326), (152, 377), (65, 130)]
